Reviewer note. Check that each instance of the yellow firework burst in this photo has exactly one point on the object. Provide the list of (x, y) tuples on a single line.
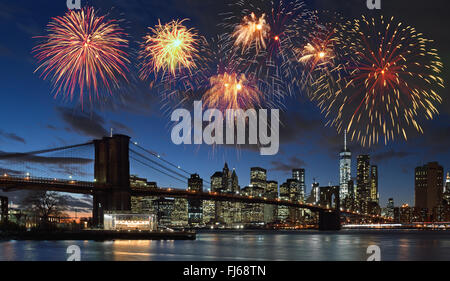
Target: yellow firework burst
[(169, 48), (252, 32), (232, 91)]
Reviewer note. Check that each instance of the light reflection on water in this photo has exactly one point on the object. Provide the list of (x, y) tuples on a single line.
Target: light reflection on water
[(241, 246)]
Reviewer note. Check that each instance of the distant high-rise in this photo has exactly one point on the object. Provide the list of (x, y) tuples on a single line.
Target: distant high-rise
[(195, 206), (258, 177), (345, 169), (374, 183), (429, 181), (299, 176), (363, 177), (390, 208), (447, 183)]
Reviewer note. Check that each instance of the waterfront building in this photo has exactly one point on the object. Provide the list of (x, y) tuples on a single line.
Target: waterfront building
[(270, 211), (390, 208), (283, 211), (428, 186), (164, 208), (299, 176), (142, 204), (180, 212), (374, 195), (345, 169), (195, 206)]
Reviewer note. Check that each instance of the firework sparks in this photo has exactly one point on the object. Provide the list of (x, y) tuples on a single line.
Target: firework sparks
[(169, 48), (268, 40), (83, 51), (393, 82), (232, 91), (253, 31)]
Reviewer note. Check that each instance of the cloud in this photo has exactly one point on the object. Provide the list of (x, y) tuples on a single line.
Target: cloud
[(14, 156), (283, 166), (82, 123), (389, 155), (12, 136)]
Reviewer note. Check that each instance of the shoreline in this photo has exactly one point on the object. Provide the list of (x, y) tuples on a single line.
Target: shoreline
[(97, 235)]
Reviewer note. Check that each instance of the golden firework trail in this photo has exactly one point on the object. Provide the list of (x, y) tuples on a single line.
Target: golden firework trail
[(83, 51)]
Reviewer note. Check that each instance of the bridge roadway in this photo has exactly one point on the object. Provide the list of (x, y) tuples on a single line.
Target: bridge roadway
[(10, 183)]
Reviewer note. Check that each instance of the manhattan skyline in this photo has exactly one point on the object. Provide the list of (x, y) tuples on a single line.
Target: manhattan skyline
[(43, 121)]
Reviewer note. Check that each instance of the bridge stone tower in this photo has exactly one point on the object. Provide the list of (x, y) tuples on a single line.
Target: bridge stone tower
[(4, 209), (330, 220), (112, 176)]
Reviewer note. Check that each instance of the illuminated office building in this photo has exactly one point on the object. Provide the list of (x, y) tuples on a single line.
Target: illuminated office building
[(429, 181), (195, 206), (374, 195), (299, 176), (363, 177), (180, 212), (345, 169)]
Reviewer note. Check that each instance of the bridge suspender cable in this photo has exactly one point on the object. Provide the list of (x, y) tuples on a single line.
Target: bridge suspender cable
[(158, 170), (161, 166), (158, 156)]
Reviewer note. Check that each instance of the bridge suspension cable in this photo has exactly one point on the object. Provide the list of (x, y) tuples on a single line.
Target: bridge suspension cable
[(158, 156), (25, 154), (158, 170)]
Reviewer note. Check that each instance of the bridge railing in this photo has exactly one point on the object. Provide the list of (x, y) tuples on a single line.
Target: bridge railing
[(41, 180)]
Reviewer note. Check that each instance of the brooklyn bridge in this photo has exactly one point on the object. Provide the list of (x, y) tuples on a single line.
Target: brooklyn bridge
[(111, 189)]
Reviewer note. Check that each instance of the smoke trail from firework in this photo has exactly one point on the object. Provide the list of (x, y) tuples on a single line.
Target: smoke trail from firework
[(83, 51), (393, 84)]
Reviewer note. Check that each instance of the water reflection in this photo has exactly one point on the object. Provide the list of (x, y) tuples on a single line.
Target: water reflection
[(241, 246)]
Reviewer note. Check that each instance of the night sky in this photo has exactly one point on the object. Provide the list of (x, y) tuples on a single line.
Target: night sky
[(33, 119)]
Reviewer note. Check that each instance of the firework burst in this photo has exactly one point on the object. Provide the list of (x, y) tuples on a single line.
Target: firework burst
[(252, 32), (83, 51), (322, 64), (232, 91), (169, 48), (393, 81), (268, 31)]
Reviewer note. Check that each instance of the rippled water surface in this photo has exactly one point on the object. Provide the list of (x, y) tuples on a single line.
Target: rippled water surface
[(241, 246)]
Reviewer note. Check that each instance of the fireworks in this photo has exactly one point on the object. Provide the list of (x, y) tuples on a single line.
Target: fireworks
[(83, 51), (267, 32), (232, 91), (393, 81), (321, 59), (253, 31), (169, 48)]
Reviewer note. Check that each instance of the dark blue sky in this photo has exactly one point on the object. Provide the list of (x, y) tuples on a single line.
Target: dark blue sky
[(33, 119)]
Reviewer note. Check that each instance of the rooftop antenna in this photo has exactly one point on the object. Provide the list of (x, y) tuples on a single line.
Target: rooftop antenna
[(345, 139)]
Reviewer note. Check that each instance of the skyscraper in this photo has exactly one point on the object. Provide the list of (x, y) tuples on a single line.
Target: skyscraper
[(299, 176), (345, 169), (195, 206), (363, 177), (374, 183), (429, 181), (447, 183), (390, 208)]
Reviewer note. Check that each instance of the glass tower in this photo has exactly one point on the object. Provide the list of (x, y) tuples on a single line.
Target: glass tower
[(345, 169)]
